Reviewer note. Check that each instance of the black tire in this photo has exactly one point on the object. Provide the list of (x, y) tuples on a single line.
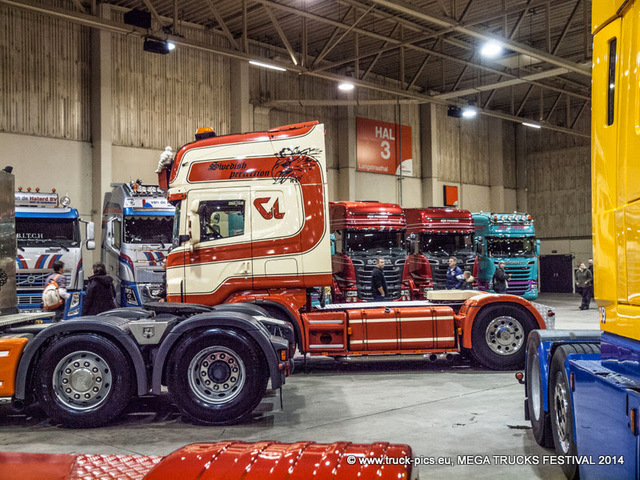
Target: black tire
[(561, 404), (232, 364), (540, 420), (83, 381), (499, 336)]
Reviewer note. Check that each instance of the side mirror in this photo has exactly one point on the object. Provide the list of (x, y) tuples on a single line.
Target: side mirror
[(91, 236), (537, 248), (194, 222)]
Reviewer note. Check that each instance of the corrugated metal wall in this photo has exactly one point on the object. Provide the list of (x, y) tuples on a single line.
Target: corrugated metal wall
[(269, 85), (161, 100), (559, 192), (509, 154), (462, 143), (44, 75)]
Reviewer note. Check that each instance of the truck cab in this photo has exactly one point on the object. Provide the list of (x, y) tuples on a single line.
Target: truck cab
[(508, 238), (364, 232), (137, 231), (436, 235), (48, 230)]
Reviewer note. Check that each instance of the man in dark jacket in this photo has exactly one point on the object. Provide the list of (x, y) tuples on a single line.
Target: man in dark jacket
[(100, 293), (378, 282), (455, 278), (584, 281), (500, 278)]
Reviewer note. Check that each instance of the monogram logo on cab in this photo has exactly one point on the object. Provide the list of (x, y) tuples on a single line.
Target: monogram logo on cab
[(274, 212)]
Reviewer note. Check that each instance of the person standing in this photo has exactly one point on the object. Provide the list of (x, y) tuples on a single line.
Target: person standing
[(584, 282), (455, 277), (100, 295), (378, 282), (60, 280), (467, 284), (500, 278), (593, 282)]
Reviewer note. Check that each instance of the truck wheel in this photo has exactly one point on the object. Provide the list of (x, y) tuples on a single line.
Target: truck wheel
[(83, 381), (498, 336), (217, 376), (561, 407), (540, 420), (561, 404)]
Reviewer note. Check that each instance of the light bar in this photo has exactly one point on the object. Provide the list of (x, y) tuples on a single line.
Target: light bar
[(266, 65), (532, 125)]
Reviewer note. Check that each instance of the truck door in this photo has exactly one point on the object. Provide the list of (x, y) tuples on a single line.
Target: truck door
[(276, 223), (220, 261), (111, 255)]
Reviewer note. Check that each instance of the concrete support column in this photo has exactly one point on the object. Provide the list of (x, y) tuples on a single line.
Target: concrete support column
[(261, 119), (431, 189), (241, 108), (101, 117), (521, 169), (496, 166), (347, 154)]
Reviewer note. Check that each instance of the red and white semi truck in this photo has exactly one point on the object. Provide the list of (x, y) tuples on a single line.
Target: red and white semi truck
[(252, 226), (364, 232)]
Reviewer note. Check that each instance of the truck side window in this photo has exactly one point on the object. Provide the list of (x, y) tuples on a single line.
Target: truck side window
[(221, 219), (611, 97), (117, 234)]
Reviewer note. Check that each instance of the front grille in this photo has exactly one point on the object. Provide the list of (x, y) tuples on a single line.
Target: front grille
[(439, 270), (35, 280), (392, 275), (29, 300), (521, 277)]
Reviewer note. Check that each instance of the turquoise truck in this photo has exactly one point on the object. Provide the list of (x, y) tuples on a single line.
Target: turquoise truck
[(508, 238)]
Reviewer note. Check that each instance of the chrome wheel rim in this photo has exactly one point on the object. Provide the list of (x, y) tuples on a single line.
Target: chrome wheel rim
[(216, 375), (536, 387), (82, 380), (505, 335), (561, 401)]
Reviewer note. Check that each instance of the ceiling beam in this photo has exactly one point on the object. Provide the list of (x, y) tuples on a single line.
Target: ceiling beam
[(566, 28), (222, 24), (116, 27), (283, 36), (512, 45)]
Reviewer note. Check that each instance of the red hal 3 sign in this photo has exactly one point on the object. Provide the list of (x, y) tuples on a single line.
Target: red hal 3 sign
[(384, 147)]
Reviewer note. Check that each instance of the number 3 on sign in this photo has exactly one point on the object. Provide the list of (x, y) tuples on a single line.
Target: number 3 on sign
[(386, 150)]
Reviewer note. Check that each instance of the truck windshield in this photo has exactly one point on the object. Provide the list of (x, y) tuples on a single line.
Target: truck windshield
[(32, 232), (447, 244), (148, 229), (511, 247), (374, 242)]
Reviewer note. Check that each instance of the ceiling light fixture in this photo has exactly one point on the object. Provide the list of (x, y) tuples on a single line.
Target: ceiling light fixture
[(469, 112), (157, 45), (346, 86), (267, 65), (491, 49), (532, 125)]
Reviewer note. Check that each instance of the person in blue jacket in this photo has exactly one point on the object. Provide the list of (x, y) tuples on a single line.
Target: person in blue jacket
[(455, 277)]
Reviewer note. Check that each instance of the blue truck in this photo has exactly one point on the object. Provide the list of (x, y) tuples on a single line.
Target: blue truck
[(48, 230)]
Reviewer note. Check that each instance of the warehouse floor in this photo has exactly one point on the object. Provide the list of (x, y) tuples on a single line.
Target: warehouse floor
[(442, 410)]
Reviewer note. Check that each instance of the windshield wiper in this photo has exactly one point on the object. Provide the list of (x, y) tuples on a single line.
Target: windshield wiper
[(61, 245)]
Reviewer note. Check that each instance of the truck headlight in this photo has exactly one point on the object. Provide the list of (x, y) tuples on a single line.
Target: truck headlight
[(426, 289), (351, 293), (404, 292)]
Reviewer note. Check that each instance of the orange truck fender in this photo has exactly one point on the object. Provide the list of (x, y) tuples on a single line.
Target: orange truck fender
[(473, 306), (10, 353)]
